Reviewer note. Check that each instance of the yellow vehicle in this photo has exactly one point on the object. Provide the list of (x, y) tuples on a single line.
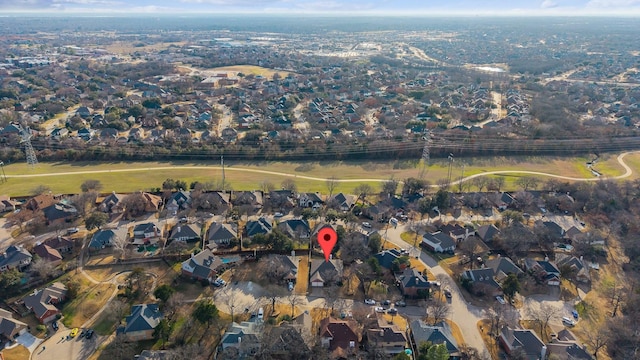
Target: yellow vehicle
[(74, 332)]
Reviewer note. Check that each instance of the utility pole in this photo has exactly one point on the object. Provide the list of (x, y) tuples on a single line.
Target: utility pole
[(4, 176), (222, 164), (450, 165)]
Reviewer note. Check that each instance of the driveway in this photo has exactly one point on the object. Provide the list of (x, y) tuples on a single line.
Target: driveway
[(465, 315), (29, 341), (58, 346)]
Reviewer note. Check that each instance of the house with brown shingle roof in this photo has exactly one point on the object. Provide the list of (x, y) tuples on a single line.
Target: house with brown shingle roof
[(40, 202), (343, 335), (48, 253), (42, 302)]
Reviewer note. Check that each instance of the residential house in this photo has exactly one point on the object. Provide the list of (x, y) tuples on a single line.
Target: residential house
[(103, 239), (59, 133), (59, 213), (112, 203), (565, 347), (388, 338), (282, 199), (86, 134), (42, 302), (525, 340), (342, 201), (40, 202), (202, 266), (15, 257), (438, 242), (146, 233), (578, 266), (83, 112), (255, 227), (483, 278), (412, 282), (503, 266), (243, 337), (487, 233), (295, 228), (48, 253), (340, 336), (61, 244), (284, 264), (543, 270), (457, 232), (10, 328), (152, 202), (552, 228), (141, 322), (284, 342), (179, 200), (439, 333), (6, 204), (310, 200), (503, 201), (221, 234), (325, 272), (387, 257), (185, 233), (253, 200)]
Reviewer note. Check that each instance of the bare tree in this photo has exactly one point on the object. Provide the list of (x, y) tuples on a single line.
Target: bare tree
[(470, 248), (120, 244), (289, 184), (173, 306), (528, 182), (363, 190), (42, 267), (437, 311), (91, 185), (273, 293), (480, 182), (227, 296), (267, 186), (293, 300), (120, 348), (118, 309), (596, 340), (332, 183), (543, 315)]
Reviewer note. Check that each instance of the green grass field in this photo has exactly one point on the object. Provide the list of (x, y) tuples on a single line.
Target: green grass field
[(67, 177)]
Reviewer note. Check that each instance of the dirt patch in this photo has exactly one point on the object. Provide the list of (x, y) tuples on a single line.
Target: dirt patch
[(16, 353)]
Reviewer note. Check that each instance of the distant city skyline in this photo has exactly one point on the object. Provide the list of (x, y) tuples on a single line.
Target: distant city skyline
[(331, 7)]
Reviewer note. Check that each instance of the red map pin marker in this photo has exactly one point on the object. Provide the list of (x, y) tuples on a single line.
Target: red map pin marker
[(327, 239)]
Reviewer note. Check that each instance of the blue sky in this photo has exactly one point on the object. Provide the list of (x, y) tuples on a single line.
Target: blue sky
[(338, 7)]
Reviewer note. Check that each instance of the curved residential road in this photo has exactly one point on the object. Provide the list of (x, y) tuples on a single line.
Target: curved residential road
[(620, 159), (465, 315)]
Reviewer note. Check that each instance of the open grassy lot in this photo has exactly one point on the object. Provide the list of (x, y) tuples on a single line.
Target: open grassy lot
[(308, 176), (16, 353), (91, 298), (253, 70)]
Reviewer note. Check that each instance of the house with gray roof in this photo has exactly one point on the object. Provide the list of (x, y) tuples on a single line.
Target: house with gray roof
[(185, 233), (255, 227), (10, 328), (42, 302), (179, 200), (15, 257), (102, 239), (325, 272), (525, 340), (146, 233), (202, 266), (141, 322), (565, 347), (438, 242), (310, 200), (243, 337), (59, 213), (221, 234), (439, 333), (412, 282), (342, 201), (543, 271), (295, 228), (493, 273), (487, 233), (111, 203), (387, 257)]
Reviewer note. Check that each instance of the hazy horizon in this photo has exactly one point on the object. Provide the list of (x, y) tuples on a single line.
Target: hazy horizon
[(569, 8)]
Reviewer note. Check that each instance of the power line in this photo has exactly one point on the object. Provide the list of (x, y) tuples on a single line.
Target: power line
[(32, 160)]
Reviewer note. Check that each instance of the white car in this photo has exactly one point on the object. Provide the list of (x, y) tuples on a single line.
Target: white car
[(369, 301), (366, 224), (501, 300), (379, 309), (568, 321)]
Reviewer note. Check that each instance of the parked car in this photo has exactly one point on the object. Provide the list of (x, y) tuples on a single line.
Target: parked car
[(366, 224), (54, 325), (278, 215), (291, 285), (369, 301), (392, 311), (447, 293), (74, 332), (386, 303), (568, 321), (72, 230), (219, 282), (379, 309), (501, 300), (401, 303), (575, 314), (89, 334)]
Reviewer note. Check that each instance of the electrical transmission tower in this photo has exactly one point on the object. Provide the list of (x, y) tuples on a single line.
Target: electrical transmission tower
[(426, 151), (32, 160)]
